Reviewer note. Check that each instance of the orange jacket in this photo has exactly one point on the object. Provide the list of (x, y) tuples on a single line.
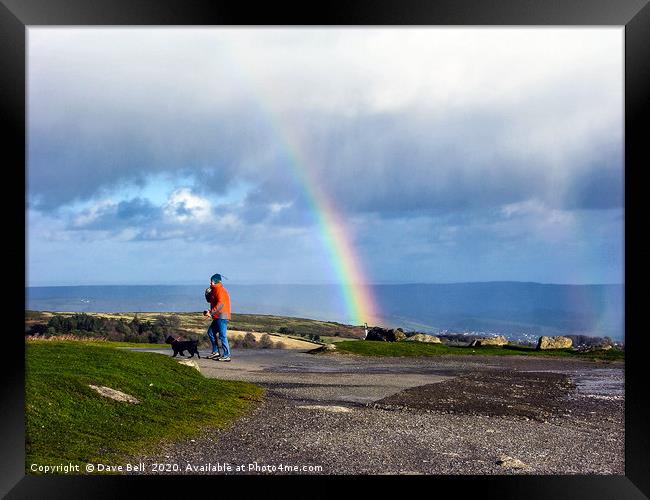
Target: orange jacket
[(219, 302)]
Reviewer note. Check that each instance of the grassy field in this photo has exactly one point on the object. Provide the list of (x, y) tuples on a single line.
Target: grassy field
[(372, 348), (196, 323), (335, 340), (67, 421), (98, 343)]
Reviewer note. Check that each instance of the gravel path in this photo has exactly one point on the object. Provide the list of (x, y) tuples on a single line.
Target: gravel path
[(345, 414)]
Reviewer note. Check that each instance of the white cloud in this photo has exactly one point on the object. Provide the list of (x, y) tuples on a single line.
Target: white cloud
[(340, 69), (184, 206), (535, 217), (93, 213), (278, 207)]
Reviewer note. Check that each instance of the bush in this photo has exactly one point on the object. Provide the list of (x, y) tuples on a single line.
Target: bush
[(285, 330), (115, 329), (168, 322), (38, 329), (156, 337), (279, 345), (265, 341), (249, 340)]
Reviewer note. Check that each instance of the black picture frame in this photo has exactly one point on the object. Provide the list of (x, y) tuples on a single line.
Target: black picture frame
[(17, 15)]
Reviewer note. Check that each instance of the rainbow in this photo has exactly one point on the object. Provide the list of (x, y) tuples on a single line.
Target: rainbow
[(357, 293)]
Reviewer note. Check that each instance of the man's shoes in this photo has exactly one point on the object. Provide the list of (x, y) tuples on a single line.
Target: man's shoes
[(227, 358), (214, 355)]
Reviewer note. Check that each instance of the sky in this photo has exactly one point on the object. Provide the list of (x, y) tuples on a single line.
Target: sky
[(162, 156)]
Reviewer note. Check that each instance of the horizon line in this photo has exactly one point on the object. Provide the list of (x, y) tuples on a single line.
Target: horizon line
[(400, 283)]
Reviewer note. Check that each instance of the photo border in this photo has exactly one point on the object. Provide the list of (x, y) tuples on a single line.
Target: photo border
[(16, 15)]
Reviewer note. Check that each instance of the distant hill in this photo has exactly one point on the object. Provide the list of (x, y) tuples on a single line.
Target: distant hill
[(514, 308), (520, 310)]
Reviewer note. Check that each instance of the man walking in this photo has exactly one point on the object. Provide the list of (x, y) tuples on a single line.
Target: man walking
[(219, 300)]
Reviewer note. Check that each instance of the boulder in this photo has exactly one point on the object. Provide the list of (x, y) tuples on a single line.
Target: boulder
[(107, 392), (323, 348), (385, 335), (498, 340), (554, 342), (421, 337), (191, 363)]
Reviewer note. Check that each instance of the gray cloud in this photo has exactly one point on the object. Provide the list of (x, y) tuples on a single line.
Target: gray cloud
[(379, 131)]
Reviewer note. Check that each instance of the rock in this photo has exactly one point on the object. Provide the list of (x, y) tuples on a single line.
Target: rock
[(508, 462), (593, 348), (385, 335), (554, 342), (107, 392), (498, 340), (331, 409), (191, 363), (421, 337), (323, 348)]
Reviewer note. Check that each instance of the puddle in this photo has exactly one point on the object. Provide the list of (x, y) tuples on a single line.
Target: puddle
[(601, 383)]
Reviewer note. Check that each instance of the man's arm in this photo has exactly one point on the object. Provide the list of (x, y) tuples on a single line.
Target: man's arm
[(217, 308)]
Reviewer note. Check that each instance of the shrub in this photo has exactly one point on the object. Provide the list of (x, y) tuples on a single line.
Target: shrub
[(168, 322), (115, 329), (156, 337), (265, 341), (279, 345), (38, 329), (285, 330), (249, 340)]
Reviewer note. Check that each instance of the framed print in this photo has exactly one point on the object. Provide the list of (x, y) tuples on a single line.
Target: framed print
[(369, 240)]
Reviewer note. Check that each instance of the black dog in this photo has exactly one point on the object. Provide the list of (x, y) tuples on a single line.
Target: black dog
[(180, 346)]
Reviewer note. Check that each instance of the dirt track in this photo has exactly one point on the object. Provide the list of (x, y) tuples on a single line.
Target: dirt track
[(440, 415)]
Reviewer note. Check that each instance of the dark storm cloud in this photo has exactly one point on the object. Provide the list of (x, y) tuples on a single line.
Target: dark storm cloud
[(86, 152), (390, 163), (382, 142), (598, 187)]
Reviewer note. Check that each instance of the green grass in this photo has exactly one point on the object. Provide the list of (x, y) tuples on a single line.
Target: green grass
[(66, 421), (335, 340), (372, 348), (109, 343)]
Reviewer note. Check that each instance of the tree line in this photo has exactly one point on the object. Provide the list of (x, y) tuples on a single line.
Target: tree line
[(115, 329)]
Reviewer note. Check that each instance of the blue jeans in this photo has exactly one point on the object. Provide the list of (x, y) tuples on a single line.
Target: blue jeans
[(220, 327)]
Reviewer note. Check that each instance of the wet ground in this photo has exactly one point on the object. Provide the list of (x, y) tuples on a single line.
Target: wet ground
[(351, 414)]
